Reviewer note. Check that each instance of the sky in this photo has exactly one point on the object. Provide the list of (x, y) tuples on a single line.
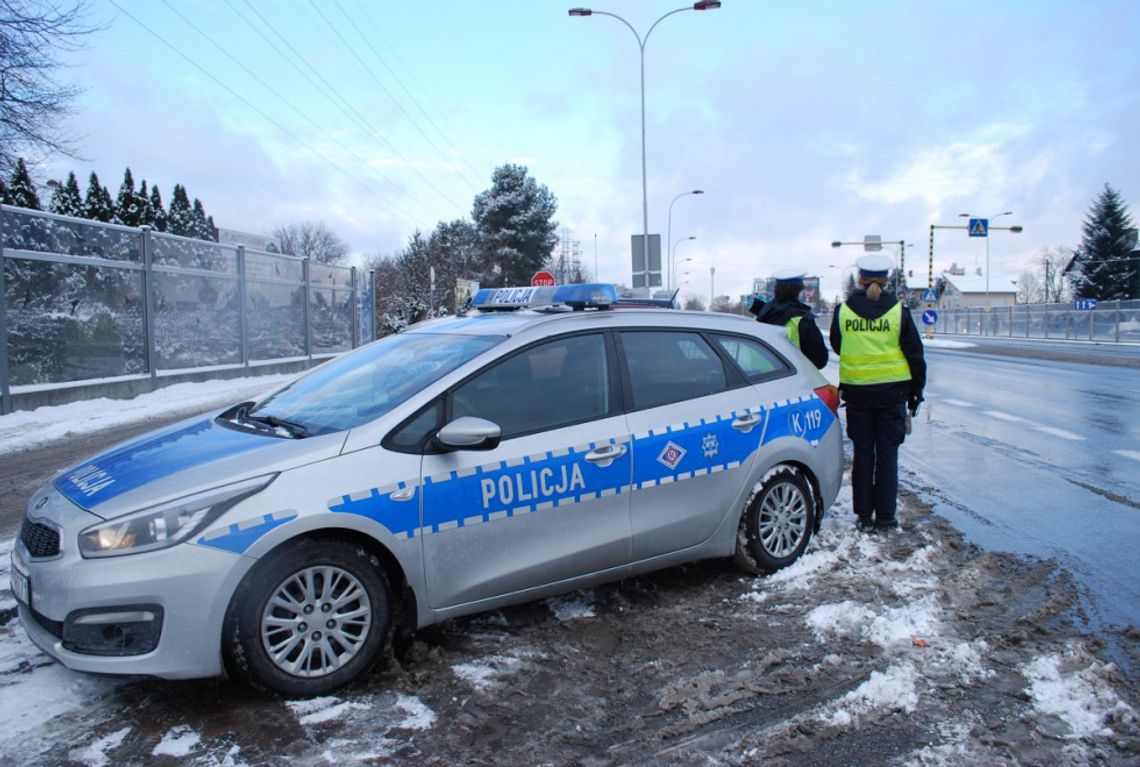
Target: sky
[(803, 123)]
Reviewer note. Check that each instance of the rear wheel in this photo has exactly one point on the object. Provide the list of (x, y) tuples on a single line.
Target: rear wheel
[(309, 618), (776, 526)]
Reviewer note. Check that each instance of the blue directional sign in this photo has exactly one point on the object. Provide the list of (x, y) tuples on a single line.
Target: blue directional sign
[(930, 296), (979, 227), (1086, 303), (929, 317)]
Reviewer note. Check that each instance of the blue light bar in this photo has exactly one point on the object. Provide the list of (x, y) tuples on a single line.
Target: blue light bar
[(586, 295), (583, 296)]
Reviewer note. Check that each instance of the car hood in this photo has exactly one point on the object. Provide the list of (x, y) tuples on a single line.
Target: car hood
[(197, 454)]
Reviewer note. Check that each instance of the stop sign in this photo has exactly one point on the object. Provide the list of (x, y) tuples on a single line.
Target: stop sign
[(542, 279)]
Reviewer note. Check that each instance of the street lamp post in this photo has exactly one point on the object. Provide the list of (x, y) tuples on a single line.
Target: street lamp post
[(673, 259), (700, 5), (991, 218), (669, 228)]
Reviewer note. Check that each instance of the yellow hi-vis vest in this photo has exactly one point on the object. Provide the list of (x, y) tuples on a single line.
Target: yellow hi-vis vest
[(869, 349), (793, 326)]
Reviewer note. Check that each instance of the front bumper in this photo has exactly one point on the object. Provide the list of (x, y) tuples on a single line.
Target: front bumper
[(179, 594)]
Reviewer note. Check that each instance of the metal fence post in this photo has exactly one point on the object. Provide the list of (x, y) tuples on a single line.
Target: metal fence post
[(5, 389), (149, 319), (308, 295), (243, 294), (1115, 337), (355, 310)]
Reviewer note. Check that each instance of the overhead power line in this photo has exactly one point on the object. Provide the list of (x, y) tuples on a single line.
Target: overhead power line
[(284, 100), (258, 111), (411, 97), (331, 90)]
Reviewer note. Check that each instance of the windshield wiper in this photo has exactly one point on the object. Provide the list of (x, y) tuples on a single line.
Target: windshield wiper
[(296, 430)]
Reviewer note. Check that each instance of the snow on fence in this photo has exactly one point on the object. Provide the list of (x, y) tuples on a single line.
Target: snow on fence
[(87, 301)]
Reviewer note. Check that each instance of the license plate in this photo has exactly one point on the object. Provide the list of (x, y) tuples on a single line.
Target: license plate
[(21, 586)]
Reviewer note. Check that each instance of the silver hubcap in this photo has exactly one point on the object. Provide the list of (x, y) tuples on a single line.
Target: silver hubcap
[(782, 520), (316, 621)]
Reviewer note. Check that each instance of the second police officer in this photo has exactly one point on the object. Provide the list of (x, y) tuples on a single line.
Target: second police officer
[(882, 373), (788, 311)]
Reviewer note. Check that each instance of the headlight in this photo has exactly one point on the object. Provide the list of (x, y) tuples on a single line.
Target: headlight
[(168, 524)]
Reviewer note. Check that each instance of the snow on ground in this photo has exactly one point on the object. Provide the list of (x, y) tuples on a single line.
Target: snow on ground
[(917, 646), (24, 429)]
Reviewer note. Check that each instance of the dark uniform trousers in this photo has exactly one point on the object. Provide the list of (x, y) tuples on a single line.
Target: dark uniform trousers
[(876, 433)]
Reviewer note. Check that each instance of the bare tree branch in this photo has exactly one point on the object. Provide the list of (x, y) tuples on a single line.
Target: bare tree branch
[(33, 104)]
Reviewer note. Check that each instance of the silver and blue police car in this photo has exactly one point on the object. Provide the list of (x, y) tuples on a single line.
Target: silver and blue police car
[(461, 465)]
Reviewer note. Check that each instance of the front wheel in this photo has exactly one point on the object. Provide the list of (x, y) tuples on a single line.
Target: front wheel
[(777, 523), (309, 618)]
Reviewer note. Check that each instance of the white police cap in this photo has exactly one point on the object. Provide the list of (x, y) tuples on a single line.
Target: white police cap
[(874, 265), (789, 276)]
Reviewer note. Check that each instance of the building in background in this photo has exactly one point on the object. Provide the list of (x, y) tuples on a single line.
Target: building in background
[(969, 290)]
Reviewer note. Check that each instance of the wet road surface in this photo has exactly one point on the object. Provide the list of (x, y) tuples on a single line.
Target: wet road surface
[(1038, 457)]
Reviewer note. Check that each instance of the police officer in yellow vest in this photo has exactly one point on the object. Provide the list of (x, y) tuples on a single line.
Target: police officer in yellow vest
[(786, 310), (882, 373)]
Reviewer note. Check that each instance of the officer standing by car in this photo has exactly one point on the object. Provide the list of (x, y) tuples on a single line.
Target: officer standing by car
[(788, 311), (882, 373)]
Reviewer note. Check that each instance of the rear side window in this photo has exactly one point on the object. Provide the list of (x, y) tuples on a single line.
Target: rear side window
[(554, 384), (754, 358), (671, 366)]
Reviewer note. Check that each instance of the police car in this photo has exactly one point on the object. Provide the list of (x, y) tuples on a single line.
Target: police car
[(537, 444)]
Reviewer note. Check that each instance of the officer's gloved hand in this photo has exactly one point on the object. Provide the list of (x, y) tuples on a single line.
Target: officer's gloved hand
[(912, 403)]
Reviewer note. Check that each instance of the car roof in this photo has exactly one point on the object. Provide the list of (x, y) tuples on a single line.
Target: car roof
[(516, 322)]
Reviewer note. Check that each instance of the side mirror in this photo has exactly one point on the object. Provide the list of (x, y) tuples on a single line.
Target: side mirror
[(469, 433)]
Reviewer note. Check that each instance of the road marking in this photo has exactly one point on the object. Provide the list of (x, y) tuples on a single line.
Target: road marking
[(1060, 433), (958, 402), (1004, 416), (1135, 456)]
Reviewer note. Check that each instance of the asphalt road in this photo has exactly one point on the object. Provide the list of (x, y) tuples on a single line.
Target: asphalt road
[(1039, 456)]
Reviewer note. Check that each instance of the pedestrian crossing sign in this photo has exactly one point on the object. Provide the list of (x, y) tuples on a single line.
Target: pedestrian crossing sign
[(930, 296), (979, 227)]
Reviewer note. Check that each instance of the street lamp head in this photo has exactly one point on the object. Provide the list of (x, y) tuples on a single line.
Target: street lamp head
[(1016, 229), (697, 191), (963, 215), (836, 244), (581, 12), (691, 237), (706, 5)]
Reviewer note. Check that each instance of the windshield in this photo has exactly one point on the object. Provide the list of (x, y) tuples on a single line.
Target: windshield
[(361, 386)]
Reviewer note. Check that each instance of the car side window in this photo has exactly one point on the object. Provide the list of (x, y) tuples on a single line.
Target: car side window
[(411, 436), (557, 383), (754, 358), (670, 366)]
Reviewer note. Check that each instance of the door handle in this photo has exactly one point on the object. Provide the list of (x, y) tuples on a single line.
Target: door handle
[(605, 455), (407, 494), (747, 422)]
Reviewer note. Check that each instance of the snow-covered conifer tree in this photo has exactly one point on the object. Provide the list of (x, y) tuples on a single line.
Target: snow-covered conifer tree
[(127, 211), (66, 199), (180, 217), (21, 190), (1106, 267), (97, 204), (515, 221), (157, 210)]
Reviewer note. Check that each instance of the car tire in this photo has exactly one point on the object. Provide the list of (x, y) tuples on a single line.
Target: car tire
[(777, 523), (270, 639)]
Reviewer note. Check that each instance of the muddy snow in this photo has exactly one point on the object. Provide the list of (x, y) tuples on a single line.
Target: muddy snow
[(907, 649)]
